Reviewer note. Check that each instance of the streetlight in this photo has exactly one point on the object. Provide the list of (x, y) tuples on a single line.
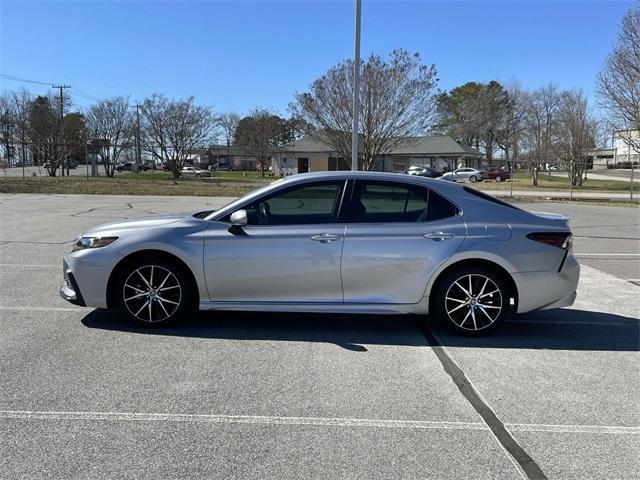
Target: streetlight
[(356, 91)]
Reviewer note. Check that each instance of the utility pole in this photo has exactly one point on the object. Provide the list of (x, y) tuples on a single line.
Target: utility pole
[(138, 150), (356, 91), (62, 89)]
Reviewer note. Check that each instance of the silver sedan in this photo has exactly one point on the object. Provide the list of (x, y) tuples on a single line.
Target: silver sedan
[(333, 242)]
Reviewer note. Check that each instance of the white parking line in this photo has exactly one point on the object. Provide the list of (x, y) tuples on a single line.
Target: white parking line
[(601, 429), (311, 421), (250, 419), (607, 255), (35, 265), (44, 309)]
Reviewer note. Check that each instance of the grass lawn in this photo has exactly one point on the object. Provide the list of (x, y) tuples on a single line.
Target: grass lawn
[(522, 181), (127, 184)]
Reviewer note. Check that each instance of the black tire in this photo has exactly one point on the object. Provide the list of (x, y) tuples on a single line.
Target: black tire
[(498, 178), (473, 178), (488, 311), (171, 283)]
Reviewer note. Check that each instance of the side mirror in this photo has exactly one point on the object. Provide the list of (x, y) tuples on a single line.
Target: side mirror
[(239, 218)]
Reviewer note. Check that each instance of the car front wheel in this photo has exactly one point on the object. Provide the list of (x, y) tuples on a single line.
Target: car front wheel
[(472, 301), (154, 291), (498, 178)]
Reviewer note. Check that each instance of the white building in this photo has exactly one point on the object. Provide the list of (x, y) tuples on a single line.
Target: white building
[(623, 143)]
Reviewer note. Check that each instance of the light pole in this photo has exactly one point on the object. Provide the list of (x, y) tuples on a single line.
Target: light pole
[(356, 91)]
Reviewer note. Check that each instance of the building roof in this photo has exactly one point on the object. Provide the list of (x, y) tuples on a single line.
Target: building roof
[(426, 145)]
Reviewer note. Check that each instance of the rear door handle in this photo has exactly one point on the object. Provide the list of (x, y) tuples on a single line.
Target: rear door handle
[(326, 237), (439, 236)]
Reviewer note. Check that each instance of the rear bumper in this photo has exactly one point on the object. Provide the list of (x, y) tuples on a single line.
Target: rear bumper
[(545, 290)]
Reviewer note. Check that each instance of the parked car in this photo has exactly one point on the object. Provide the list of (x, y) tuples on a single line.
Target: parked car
[(190, 171), (464, 174), (333, 242), (70, 164), (222, 165), (497, 173), (423, 171), (132, 167)]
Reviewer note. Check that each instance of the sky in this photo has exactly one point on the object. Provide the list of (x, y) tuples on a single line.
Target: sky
[(236, 55)]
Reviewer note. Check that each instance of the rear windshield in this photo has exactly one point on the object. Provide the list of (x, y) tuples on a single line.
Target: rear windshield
[(490, 198)]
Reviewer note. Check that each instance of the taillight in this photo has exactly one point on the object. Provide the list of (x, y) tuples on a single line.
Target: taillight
[(556, 239)]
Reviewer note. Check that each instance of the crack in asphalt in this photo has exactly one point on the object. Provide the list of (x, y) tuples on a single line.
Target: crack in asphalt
[(527, 465)]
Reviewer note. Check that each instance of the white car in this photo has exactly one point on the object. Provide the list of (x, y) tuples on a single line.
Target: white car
[(464, 174), (189, 171)]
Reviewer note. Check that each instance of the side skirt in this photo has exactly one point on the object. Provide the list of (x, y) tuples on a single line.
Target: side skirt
[(420, 308)]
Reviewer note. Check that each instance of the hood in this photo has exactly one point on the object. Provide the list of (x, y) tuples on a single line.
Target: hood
[(562, 219), (141, 222)]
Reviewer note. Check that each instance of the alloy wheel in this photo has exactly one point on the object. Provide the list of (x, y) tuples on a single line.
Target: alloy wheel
[(473, 302), (152, 293)]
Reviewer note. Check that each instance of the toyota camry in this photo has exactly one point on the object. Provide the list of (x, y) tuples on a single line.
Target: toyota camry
[(358, 242)]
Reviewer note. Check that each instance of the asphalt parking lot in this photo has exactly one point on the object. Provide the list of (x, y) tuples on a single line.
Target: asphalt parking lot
[(87, 395)]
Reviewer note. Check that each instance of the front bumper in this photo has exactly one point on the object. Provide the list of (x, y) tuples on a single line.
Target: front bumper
[(69, 289)]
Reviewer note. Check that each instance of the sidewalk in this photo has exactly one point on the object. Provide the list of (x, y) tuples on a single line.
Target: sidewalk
[(563, 194)]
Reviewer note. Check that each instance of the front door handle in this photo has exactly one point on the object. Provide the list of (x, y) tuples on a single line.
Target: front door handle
[(326, 237), (439, 236)]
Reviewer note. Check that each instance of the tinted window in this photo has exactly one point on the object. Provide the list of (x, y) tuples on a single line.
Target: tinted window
[(375, 202), (307, 204)]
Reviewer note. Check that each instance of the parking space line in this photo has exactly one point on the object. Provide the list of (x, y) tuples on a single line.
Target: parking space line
[(250, 419), (607, 255), (44, 309), (601, 429), (48, 265)]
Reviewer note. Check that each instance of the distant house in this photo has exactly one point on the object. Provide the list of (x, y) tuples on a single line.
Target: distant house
[(312, 154)]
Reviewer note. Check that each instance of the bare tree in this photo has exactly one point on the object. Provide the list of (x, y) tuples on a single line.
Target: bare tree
[(619, 81), (511, 126), (14, 113), (577, 131), (110, 129), (229, 123), (540, 132), (396, 97), (174, 129)]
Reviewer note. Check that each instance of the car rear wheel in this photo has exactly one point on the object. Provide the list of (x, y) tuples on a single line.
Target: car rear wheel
[(154, 291), (473, 178), (498, 178), (472, 301)]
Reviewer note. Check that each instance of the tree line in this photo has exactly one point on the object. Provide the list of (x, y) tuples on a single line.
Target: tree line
[(399, 99)]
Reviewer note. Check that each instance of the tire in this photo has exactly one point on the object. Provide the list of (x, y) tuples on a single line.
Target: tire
[(461, 312), (170, 298), (198, 175), (473, 178), (498, 178)]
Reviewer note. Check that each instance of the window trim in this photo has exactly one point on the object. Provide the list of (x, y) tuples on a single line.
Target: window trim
[(335, 216)]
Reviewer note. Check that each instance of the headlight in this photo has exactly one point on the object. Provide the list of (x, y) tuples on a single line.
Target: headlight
[(92, 242)]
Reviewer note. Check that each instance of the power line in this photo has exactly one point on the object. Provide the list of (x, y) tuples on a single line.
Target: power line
[(18, 79), (79, 91), (86, 95)]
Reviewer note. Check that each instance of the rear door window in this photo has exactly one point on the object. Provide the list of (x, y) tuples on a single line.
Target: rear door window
[(390, 202)]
